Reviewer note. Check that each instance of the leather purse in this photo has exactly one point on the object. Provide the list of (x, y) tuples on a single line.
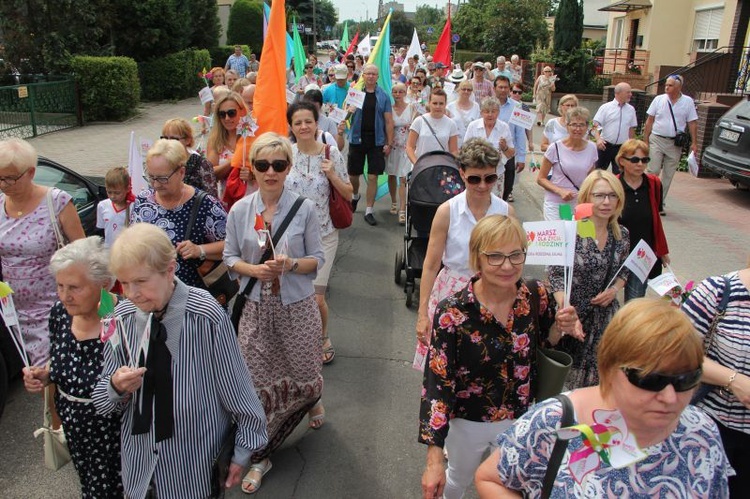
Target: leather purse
[(339, 208), (56, 453)]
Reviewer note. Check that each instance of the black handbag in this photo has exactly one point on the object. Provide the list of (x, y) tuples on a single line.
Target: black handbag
[(239, 302), (558, 451), (215, 274), (220, 464), (681, 139)]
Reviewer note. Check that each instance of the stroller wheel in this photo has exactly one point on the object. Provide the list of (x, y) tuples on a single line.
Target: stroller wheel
[(409, 295), (398, 267)]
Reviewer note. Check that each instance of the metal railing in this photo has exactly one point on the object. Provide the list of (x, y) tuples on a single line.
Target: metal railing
[(38, 108), (623, 61)]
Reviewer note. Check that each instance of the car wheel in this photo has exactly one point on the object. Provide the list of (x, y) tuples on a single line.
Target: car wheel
[(3, 384)]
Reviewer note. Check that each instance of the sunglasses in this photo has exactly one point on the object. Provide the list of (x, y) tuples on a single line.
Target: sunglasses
[(517, 92), (656, 382), (635, 159), (477, 179), (171, 137), (278, 165), (231, 113)]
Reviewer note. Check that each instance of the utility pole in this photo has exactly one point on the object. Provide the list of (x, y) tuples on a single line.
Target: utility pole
[(315, 29)]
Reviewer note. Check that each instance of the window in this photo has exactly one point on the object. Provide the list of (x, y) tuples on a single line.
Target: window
[(707, 29), (618, 34)]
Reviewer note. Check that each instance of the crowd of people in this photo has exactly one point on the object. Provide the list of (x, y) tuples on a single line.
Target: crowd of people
[(189, 373)]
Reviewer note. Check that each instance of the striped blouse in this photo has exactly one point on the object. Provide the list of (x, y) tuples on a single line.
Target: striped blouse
[(212, 386), (730, 345)]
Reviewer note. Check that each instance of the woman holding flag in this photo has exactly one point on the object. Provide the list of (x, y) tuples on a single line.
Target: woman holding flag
[(597, 275), (273, 245), (76, 356)]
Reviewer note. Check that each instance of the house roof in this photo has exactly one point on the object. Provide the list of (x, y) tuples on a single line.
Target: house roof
[(627, 6)]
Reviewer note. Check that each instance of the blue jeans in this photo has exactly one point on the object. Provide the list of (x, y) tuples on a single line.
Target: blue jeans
[(635, 288)]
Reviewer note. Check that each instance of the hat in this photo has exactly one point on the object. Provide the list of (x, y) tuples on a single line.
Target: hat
[(457, 76), (439, 65), (478, 64), (312, 86), (341, 72)]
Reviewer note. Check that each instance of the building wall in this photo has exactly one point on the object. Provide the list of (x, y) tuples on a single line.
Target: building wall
[(224, 7)]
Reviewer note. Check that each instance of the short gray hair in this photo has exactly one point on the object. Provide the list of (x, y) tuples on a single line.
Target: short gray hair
[(490, 104), (577, 112), (89, 253), (17, 152)]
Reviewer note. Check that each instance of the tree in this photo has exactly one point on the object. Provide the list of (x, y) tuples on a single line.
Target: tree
[(516, 27), (402, 29), (426, 17), (325, 15), (245, 24), (147, 29), (205, 24), (470, 22), (568, 26)]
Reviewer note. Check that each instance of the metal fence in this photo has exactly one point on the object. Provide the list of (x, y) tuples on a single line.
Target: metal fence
[(38, 108)]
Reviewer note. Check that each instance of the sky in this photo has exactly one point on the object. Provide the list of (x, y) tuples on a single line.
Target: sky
[(356, 9)]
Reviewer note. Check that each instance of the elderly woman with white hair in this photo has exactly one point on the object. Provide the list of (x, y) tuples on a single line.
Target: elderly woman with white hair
[(186, 382), (76, 356), (34, 222)]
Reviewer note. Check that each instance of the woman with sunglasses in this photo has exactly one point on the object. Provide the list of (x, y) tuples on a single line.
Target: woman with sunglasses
[(464, 109), (198, 170), (543, 88), (318, 167), (280, 328), (725, 394), (567, 163), (640, 214), (168, 203), (479, 367), (445, 269), (223, 137), (307, 78), (597, 275), (650, 361)]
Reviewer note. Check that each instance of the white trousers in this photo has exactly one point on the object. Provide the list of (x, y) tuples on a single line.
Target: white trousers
[(665, 158), (466, 443)]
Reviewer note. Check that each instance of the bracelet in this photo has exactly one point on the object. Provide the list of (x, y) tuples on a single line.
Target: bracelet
[(726, 390)]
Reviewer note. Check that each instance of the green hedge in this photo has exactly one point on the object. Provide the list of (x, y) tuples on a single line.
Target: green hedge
[(174, 76), (462, 56), (108, 85), (219, 55)]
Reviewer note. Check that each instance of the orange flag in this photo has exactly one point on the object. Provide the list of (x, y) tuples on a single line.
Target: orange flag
[(269, 105)]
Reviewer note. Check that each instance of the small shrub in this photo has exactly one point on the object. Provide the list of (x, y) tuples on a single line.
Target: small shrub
[(109, 86), (174, 76)]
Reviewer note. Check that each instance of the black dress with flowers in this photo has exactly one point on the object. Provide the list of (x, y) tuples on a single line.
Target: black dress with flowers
[(478, 368), (93, 440)]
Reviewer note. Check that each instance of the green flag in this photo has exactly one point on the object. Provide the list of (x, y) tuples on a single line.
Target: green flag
[(379, 57), (344, 43), (106, 304), (299, 53)]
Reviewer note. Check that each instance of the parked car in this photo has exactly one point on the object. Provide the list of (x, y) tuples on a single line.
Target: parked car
[(729, 152), (86, 195)]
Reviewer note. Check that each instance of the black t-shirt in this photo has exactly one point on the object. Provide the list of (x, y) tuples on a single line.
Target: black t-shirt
[(637, 215), (368, 114)]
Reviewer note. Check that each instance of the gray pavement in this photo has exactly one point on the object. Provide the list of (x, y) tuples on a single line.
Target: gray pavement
[(367, 447)]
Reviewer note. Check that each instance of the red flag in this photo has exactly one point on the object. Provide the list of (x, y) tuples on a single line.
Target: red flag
[(352, 45), (443, 50)]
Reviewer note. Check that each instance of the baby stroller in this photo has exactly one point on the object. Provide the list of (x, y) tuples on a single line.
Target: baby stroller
[(433, 180)]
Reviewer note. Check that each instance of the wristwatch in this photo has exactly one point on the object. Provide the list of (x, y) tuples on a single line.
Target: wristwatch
[(202, 256), (295, 265)]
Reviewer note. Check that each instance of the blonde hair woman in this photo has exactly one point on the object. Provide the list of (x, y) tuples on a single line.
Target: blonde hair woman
[(597, 276), (464, 109), (543, 88), (223, 137)]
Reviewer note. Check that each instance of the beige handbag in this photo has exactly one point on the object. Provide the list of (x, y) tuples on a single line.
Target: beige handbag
[(56, 453)]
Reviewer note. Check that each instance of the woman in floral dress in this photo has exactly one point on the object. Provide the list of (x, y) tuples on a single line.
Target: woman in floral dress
[(397, 164), (480, 371)]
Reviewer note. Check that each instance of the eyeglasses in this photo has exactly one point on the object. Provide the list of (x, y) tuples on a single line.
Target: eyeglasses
[(231, 113), (517, 92), (162, 179), (350, 67), (656, 382), (578, 125), (416, 82), (498, 259), (635, 159), (171, 137), (278, 165), (599, 197), (11, 180), (477, 179)]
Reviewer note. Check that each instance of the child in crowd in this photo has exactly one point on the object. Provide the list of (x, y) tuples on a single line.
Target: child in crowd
[(113, 214)]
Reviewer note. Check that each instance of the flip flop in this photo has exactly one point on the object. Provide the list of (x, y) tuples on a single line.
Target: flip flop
[(256, 483), (316, 421)]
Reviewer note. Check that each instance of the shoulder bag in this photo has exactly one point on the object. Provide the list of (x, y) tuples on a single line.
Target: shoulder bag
[(681, 139), (558, 451), (56, 453), (239, 302), (562, 170), (433, 133), (721, 311), (552, 366), (339, 208), (54, 222), (214, 274)]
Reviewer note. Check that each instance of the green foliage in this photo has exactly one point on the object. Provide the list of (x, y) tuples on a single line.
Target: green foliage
[(147, 29), (245, 23), (325, 15), (462, 56), (574, 69), (516, 27), (205, 24), (426, 17), (596, 85), (174, 76), (108, 85), (402, 29), (568, 26), (219, 55)]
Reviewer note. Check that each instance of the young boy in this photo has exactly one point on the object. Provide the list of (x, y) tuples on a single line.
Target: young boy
[(113, 214)]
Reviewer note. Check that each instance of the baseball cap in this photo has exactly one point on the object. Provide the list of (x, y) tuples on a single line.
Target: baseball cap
[(479, 64), (439, 65), (341, 72)]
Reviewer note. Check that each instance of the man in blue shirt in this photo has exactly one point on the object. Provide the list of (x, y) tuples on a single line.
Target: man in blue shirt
[(238, 62), (336, 93), (518, 162)]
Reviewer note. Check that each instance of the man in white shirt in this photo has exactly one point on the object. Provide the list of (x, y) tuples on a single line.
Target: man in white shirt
[(661, 129), (614, 123)]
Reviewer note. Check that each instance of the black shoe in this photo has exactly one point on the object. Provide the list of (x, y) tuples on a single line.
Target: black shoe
[(370, 219), (354, 204)]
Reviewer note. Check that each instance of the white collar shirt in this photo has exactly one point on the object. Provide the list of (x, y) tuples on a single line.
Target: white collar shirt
[(616, 121), (684, 112)]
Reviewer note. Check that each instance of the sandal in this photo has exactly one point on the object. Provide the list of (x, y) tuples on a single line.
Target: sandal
[(402, 218), (317, 415), (394, 208), (255, 483), (328, 352)]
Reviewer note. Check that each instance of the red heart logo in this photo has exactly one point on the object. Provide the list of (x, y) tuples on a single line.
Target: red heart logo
[(532, 236), (641, 253)]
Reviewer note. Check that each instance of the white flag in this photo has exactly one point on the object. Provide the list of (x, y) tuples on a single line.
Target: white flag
[(363, 48), (546, 243), (641, 260), (135, 166), (414, 48)]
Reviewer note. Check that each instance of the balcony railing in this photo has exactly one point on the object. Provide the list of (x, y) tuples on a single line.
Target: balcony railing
[(622, 60)]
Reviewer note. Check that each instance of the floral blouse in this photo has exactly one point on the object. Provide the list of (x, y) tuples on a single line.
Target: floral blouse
[(478, 368)]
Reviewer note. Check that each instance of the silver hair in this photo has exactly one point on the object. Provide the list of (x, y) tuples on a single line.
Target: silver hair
[(17, 152), (490, 104), (89, 253)]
